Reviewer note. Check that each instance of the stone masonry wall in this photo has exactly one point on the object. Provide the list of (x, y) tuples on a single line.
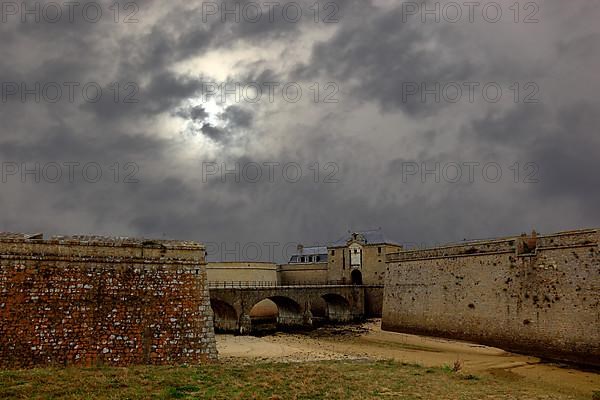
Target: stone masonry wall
[(539, 296), (89, 301), (309, 273), (242, 271), (373, 301)]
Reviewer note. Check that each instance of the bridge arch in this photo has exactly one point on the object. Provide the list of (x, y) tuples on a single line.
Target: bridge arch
[(289, 311), (225, 316), (337, 308), (293, 306)]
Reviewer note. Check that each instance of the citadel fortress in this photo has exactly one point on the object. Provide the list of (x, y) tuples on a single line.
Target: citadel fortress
[(358, 258), (92, 300)]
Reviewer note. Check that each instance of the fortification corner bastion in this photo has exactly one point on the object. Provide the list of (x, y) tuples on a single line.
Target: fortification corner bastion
[(84, 300)]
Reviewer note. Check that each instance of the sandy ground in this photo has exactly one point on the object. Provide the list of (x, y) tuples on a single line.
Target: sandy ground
[(368, 341)]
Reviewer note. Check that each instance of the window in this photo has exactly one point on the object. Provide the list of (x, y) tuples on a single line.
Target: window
[(333, 252), (379, 250), (317, 258)]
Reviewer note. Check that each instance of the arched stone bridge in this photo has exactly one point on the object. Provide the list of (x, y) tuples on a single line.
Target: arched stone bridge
[(297, 305)]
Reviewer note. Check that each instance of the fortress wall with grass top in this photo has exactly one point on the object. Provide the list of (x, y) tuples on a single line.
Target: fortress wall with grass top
[(94, 300), (537, 295)]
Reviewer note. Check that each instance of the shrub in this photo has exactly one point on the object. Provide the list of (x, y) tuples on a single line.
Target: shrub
[(457, 366)]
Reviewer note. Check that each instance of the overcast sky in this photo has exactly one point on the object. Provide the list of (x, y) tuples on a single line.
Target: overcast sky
[(192, 113)]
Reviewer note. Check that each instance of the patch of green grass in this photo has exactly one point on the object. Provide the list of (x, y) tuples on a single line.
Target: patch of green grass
[(596, 395), (447, 369), (181, 392), (454, 368), (337, 380)]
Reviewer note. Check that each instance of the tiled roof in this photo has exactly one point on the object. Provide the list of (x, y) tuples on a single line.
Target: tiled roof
[(311, 251)]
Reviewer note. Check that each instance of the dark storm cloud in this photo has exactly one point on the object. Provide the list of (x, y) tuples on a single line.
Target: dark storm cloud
[(195, 113), (378, 57), (237, 117), (213, 132), (565, 155), (198, 113), (370, 54)]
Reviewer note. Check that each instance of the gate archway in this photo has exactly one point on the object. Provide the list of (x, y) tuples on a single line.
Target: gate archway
[(356, 277)]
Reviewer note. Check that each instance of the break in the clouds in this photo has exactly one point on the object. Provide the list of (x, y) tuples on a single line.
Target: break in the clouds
[(163, 120)]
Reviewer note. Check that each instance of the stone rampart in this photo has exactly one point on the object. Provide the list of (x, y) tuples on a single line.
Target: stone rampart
[(95, 300)]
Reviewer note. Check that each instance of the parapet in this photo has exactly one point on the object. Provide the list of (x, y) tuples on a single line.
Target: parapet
[(519, 245), (94, 248)]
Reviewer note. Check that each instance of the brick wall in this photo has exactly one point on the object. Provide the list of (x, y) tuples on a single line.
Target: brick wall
[(89, 301), (544, 301)]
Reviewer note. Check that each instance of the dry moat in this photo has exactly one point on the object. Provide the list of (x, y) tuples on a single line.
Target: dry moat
[(360, 342)]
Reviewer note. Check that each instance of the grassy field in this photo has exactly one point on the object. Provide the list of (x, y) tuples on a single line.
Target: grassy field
[(315, 380)]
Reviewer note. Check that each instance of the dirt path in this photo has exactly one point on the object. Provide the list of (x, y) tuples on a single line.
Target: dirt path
[(369, 341)]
